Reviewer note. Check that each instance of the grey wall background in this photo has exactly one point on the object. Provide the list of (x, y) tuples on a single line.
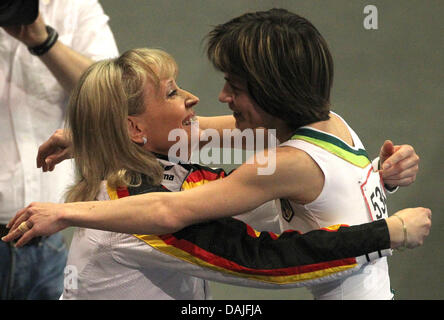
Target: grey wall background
[(388, 84)]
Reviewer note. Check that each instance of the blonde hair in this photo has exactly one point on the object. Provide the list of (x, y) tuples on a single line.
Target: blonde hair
[(98, 110)]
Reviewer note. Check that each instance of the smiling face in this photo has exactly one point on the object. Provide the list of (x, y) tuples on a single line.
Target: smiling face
[(168, 107), (246, 112)]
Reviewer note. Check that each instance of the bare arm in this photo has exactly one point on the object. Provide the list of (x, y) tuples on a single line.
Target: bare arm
[(218, 123), (158, 213), (64, 63)]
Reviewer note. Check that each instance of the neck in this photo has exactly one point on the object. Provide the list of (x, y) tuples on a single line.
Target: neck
[(283, 134), (322, 125), (283, 131)]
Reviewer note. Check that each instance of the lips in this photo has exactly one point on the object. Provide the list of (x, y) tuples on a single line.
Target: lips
[(187, 121)]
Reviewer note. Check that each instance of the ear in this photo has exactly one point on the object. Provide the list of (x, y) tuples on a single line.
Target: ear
[(134, 130)]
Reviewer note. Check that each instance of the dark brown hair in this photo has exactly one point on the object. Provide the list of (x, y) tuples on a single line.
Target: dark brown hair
[(284, 60)]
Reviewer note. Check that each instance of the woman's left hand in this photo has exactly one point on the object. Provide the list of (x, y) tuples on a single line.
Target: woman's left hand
[(399, 164)]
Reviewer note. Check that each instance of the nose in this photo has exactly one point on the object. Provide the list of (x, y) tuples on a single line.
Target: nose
[(225, 95), (191, 100)]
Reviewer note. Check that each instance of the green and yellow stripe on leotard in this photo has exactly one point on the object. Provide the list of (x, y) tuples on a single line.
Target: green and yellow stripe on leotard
[(333, 145)]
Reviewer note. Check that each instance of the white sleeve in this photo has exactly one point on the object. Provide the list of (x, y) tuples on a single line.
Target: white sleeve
[(92, 35)]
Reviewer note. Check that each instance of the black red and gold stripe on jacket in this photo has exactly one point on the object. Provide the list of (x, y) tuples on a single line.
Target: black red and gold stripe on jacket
[(230, 251)]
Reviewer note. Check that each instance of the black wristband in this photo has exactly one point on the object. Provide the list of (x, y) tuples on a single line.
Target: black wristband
[(45, 46)]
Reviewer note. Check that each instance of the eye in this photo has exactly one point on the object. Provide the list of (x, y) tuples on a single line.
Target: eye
[(172, 93), (235, 89), (234, 86)]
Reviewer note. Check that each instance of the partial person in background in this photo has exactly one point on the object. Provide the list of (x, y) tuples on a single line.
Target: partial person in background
[(44, 49)]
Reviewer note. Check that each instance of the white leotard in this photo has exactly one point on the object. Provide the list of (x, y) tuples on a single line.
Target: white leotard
[(342, 201)]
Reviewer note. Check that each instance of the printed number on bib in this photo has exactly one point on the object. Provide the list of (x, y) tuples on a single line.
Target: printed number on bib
[(374, 195)]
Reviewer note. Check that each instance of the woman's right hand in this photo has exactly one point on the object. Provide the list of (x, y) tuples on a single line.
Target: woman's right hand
[(418, 222), (39, 219), (56, 149)]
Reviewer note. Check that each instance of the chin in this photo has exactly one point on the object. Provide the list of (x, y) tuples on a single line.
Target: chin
[(238, 125), (242, 125)]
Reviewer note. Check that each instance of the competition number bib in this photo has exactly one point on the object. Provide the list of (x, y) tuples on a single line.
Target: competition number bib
[(374, 195)]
